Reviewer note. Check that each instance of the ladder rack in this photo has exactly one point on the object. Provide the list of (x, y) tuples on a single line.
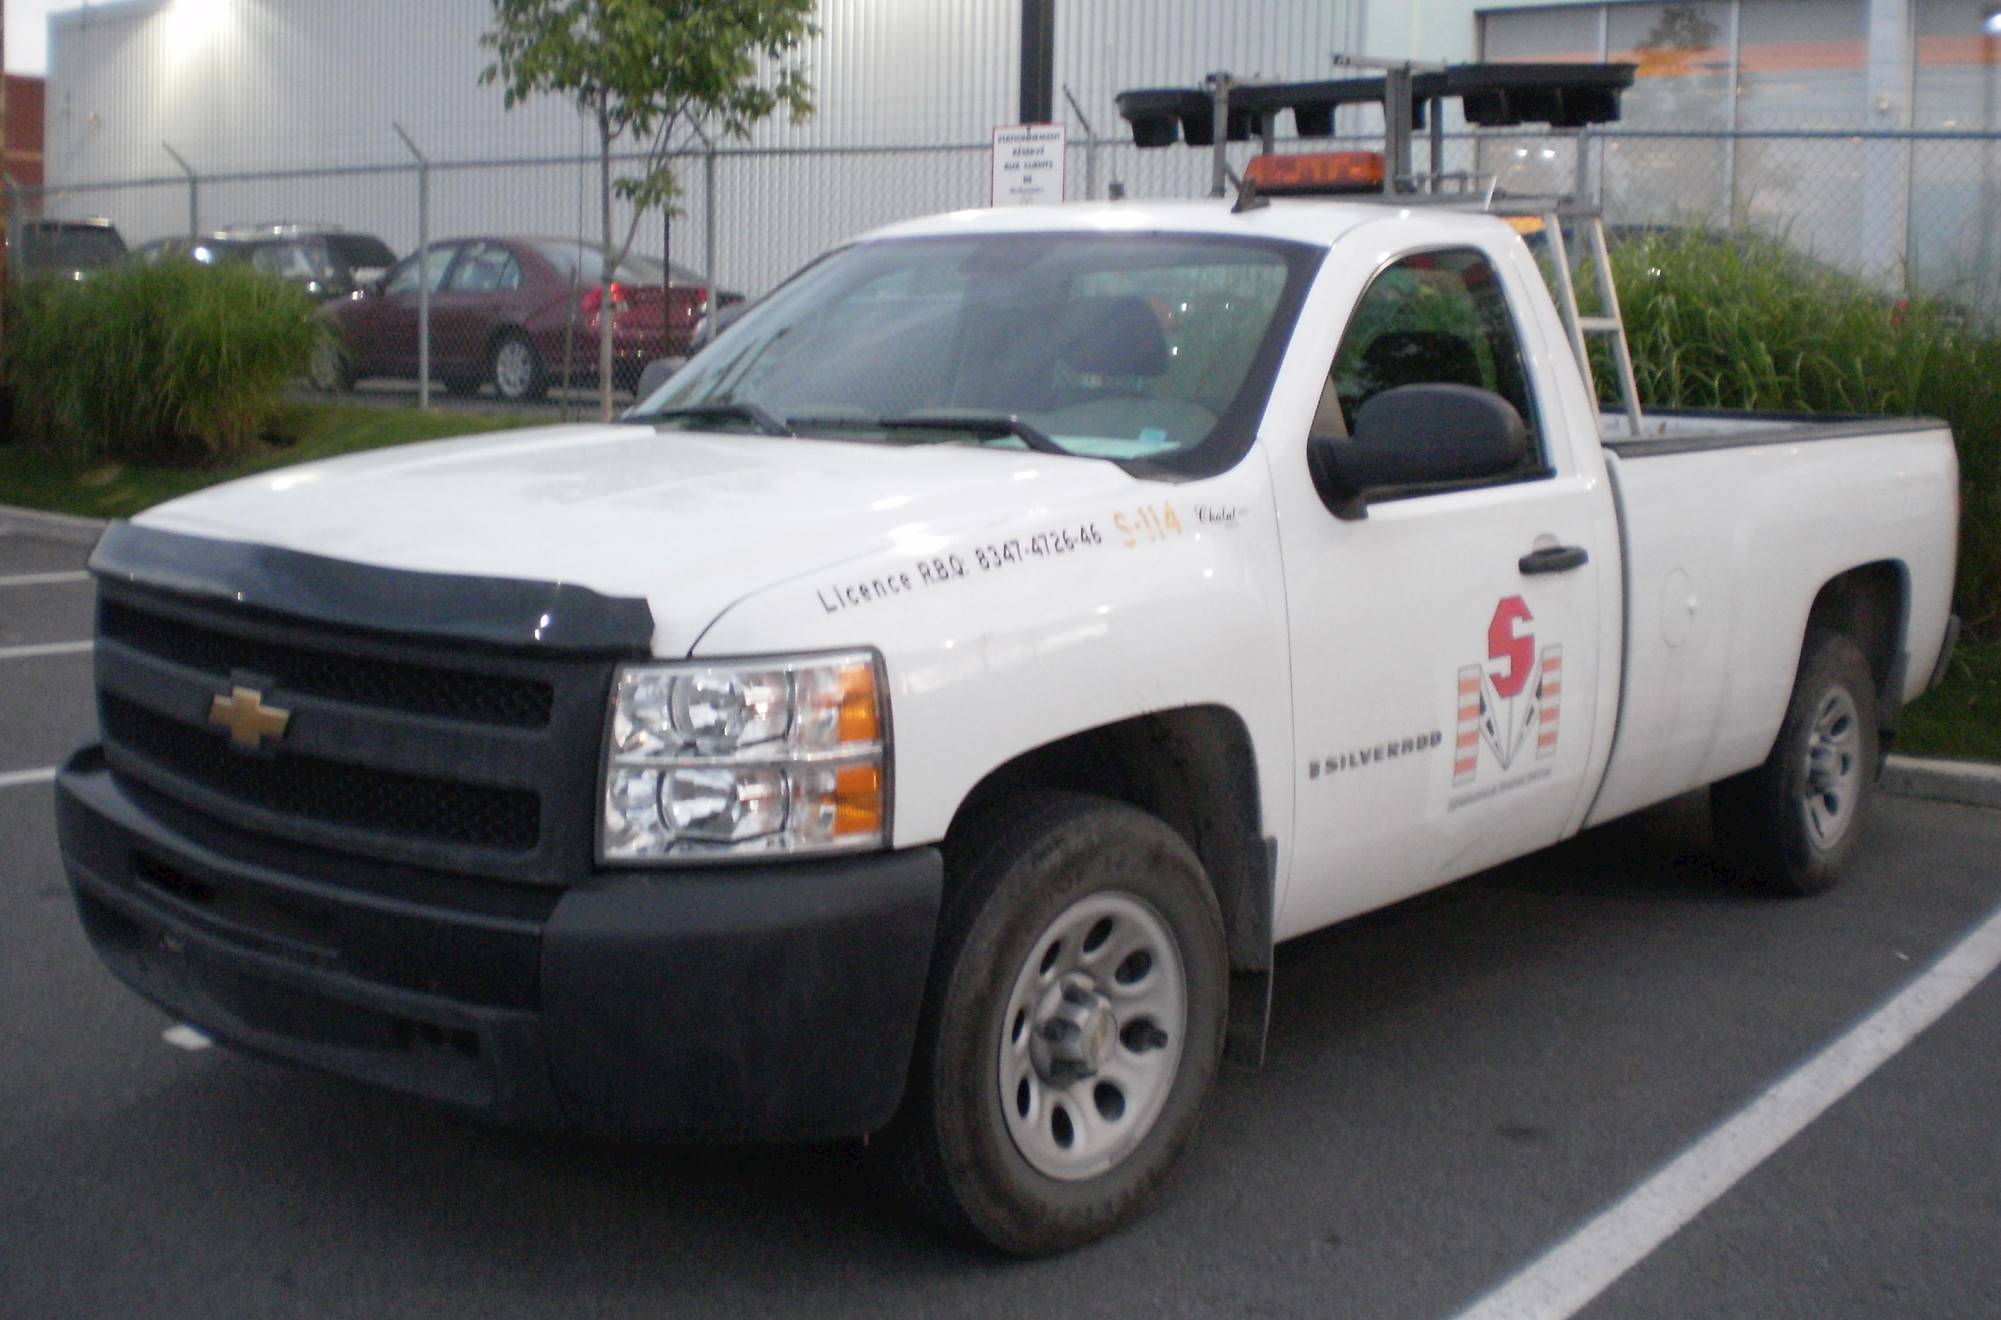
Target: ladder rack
[(1569, 98)]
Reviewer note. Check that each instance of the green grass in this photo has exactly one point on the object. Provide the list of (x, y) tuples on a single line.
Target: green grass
[(1962, 718), (1751, 323), (83, 484), (167, 363)]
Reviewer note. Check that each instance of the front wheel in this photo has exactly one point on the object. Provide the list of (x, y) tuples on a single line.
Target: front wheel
[(331, 369), (1073, 1023), (1794, 822)]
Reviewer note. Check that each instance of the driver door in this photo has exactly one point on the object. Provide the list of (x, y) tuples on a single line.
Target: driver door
[(1441, 678)]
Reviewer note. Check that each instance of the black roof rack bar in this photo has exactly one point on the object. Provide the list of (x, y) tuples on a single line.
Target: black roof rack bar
[(1564, 96)]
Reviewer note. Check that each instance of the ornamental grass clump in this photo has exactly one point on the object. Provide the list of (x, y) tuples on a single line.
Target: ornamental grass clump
[(1745, 321), (168, 363)]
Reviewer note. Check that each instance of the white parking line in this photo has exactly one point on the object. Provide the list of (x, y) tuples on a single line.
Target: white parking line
[(44, 648), (42, 579), (16, 778), (1566, 1278), (183, 1036)]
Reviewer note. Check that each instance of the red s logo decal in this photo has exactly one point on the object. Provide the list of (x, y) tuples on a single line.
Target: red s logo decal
[(1504, 644)]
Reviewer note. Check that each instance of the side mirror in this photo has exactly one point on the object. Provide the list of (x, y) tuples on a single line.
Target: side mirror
[(655, 374), (1413, 435)]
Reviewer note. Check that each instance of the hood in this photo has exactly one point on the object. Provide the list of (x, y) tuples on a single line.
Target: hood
[(690, 522)]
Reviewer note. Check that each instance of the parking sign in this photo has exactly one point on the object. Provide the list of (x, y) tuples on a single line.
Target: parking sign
[(1028, 164)]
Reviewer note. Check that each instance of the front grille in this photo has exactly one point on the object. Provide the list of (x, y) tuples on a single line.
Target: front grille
[(385, 802), (423, 690), (453, 758)]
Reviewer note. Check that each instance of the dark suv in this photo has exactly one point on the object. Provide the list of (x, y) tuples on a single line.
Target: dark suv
[(65, 249), (322, 260)]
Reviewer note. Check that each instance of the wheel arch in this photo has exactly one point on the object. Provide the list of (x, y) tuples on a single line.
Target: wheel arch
[(1194, 767), (1870, 604), (499, 335)]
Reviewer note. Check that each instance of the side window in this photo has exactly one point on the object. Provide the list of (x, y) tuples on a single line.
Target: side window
[(287, 261), (1432, 318), (485, 268), (403, 279)]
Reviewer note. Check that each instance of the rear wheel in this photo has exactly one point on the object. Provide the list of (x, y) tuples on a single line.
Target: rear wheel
[(516, 369), (1073, 1024), (1794, 822)]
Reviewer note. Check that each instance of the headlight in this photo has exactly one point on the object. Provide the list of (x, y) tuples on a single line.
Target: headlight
[(748, 757)]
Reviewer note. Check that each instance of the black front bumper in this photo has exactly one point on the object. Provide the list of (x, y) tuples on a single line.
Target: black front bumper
[(770, 1002)]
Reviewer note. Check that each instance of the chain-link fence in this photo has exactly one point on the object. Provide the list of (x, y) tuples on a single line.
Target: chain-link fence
[(511, 312)]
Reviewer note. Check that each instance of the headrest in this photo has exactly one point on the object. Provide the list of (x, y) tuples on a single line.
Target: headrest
[(1420, 357), (1112, 336)]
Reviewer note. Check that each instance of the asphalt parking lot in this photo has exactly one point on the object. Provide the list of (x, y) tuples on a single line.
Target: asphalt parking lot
[(1453, 1087)]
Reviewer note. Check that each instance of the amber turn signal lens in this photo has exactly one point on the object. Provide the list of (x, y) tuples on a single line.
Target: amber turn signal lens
[(860, 719), (857, 801)]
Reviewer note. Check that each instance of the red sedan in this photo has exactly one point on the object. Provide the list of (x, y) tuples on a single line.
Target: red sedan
[(518, 313)]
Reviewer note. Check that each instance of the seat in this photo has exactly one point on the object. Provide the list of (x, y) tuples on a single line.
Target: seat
[(1109, 335)]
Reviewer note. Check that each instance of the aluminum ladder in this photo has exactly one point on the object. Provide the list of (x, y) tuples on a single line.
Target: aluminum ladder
[(1611, 323)]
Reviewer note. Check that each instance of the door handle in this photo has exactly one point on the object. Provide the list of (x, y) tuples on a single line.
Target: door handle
[(1554, 559)]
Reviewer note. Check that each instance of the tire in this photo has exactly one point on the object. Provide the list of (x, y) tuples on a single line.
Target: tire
[(1072, 1024), (516, 369), (331, 370), (1793, 823)]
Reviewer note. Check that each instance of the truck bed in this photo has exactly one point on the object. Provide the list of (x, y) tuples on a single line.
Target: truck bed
[(1729, 530)]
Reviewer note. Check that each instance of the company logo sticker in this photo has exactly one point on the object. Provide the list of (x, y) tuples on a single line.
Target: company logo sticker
[(1512, 704)]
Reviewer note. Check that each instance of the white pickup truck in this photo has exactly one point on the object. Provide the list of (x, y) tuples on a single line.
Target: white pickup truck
[(929, 709)]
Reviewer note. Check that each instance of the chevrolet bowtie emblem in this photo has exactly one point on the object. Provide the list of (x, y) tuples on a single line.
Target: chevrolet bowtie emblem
[(247, 718)]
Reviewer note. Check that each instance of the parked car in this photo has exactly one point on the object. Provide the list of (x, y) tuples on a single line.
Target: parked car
[(324, 261), (517, 313), (65, 249)]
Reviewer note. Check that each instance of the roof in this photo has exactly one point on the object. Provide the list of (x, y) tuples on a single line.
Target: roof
[(1318, 221)]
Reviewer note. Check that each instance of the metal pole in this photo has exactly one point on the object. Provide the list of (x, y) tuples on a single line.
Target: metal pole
[(1038, 61), (1090, 146), (423, 270), (1219, 158), (1396, 119), (1985, 292), (714, 304), (194, 192), (709, 243), (1730, 145), (1437, 142)]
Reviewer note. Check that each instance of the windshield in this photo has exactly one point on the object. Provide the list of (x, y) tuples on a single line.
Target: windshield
[(1151, 348)]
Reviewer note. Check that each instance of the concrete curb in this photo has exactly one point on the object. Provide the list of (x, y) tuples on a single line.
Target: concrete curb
[(64, 527), (1970, 783)]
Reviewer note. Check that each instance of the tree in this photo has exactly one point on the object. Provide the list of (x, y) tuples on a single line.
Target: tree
[(640, 70)]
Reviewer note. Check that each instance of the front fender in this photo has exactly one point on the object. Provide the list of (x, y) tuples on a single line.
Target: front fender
[(1012, 637)]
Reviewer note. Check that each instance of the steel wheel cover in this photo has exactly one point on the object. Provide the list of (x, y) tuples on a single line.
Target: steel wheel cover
[(1834, 770), (1091, 1040)]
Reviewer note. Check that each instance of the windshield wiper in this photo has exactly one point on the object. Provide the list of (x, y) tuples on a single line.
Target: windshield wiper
[(757, 415), (982, 424)]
